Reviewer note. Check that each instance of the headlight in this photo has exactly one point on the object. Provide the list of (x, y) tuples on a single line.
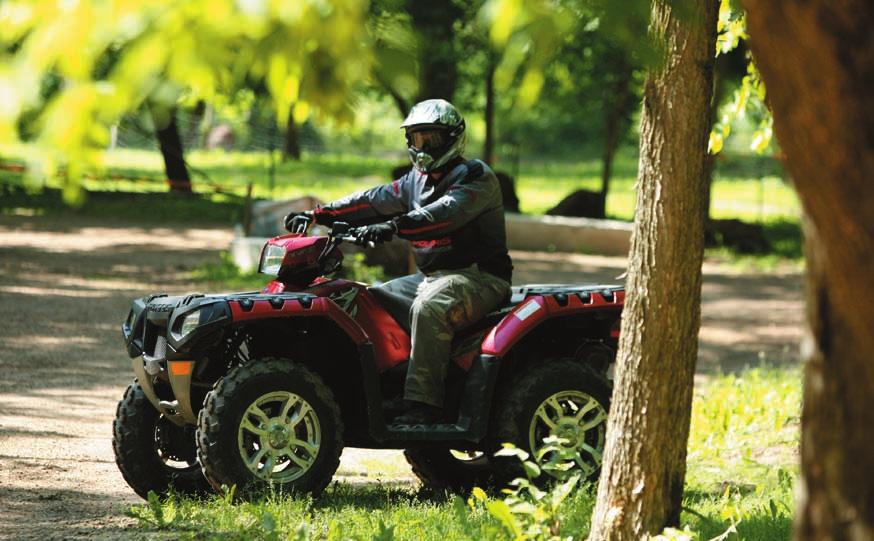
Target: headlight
[(271, 261), (189, 323)]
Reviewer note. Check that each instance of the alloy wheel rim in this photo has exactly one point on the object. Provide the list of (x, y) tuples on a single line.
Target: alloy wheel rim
[(279, 437), (579, 420), (466, 457)]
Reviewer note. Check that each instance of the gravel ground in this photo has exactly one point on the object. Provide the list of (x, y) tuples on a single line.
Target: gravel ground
[(65, 288)]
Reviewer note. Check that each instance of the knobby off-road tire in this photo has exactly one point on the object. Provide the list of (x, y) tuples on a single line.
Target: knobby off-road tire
[(152, 452), (440, 468), (567, 393), (268, 410)]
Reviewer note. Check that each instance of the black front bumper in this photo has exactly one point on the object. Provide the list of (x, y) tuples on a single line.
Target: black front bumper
[(152, 335)]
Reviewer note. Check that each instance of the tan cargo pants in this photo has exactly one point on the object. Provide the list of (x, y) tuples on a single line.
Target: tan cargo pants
[(444, 302)]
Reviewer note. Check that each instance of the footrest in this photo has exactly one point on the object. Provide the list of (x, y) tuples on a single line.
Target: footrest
[(431, 432)]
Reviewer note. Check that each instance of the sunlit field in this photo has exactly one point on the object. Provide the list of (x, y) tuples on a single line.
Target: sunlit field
[(746, 187)]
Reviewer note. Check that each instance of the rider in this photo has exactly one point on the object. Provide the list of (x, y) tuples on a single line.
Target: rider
[(450, 210)]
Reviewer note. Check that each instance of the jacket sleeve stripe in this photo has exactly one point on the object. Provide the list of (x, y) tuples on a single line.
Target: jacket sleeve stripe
[(423, 229), (347, 210)]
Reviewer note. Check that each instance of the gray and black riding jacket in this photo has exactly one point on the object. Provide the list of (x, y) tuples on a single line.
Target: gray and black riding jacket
[(452, 223)]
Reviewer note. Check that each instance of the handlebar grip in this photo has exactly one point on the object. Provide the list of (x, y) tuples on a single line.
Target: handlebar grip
[(354, 236)]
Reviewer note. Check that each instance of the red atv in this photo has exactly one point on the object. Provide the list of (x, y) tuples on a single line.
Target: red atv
[(266, 388)]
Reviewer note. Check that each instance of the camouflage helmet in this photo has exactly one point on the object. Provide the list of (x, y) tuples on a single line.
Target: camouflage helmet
[(429, 115)]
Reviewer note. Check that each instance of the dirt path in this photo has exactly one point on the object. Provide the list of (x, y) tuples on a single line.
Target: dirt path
[(65, 288)]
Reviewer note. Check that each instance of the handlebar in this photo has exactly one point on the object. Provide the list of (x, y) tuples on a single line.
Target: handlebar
[(352, 235), (340, 231)]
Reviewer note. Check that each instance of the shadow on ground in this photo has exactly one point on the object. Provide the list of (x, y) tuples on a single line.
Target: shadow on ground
[(58, 513)]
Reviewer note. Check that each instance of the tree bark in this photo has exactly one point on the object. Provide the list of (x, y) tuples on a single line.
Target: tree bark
[(817, 61), (291, 146), (614, 129), (645, 457), (170, 144)]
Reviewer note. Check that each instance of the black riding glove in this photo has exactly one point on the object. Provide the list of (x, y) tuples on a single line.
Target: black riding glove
[(379, 232), (292, 215)]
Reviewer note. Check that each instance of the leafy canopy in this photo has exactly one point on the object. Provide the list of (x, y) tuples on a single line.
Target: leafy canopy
[(72, 68)]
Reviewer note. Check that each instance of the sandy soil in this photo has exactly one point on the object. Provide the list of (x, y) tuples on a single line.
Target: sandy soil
[(66, 287)]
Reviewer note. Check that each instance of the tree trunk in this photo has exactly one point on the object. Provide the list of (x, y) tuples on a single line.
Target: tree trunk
[(438, 57), (729, 68), (170, 144), (192, 137), (291, 147), (489, 143), (614, 129), (710, 159), (645, 458), (400, 102), (817, 61)]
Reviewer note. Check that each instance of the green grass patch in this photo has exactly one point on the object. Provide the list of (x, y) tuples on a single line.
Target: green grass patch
[(741, 469), (747, 187), (125, 207)]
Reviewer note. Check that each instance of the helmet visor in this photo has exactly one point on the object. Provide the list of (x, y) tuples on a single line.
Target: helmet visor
[(428, 139)]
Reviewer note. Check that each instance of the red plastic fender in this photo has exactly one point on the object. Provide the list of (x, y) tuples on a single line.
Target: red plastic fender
[(391, 344), (535, 310), (320, 307)]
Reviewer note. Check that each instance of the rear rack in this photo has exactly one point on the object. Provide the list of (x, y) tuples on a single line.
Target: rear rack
[(583, 291)]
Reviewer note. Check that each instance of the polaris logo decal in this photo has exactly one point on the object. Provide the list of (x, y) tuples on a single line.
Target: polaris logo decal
[(525, 312)]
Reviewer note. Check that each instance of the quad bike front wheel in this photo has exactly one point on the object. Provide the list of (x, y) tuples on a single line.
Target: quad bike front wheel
[(270, 423), (442, 468), (153, 453), (562, 398)]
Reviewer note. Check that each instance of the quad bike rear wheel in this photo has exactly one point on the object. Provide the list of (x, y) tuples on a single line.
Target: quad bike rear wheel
[(442, 468), (564, 398), (270, 423), (153, 453)]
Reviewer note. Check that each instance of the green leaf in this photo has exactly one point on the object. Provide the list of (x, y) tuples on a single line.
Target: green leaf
[(268, 522), (523, 508), (501, 511), (561, 492), (303, 532), (532, 470), (510, 450), (385, 533), (714, 145), (460, 509), (156, 507)]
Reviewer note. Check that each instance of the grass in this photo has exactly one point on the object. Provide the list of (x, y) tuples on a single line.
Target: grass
[(741, 469), (746, 187)]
